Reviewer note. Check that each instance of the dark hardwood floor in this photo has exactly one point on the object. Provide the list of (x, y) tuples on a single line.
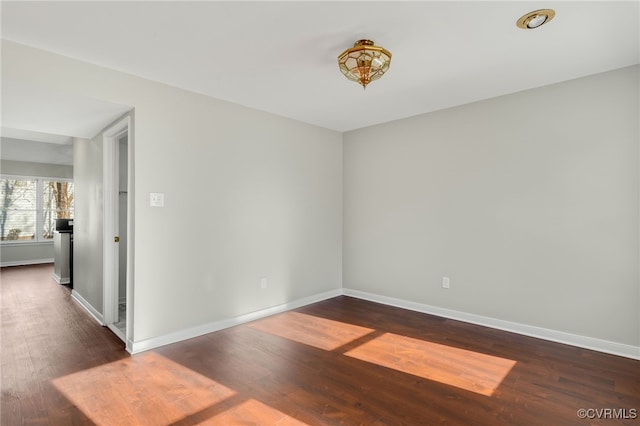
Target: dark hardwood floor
[(341, 361)]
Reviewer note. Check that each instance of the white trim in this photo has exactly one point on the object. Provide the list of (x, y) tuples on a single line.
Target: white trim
[(31, 177), (109, 231), (614, 348), (25, 262), (61, 280), (110, 191), (129, 293), (606, 346), (115, 330), (129, 346), (22, 243), (189, 333), (87, 307)]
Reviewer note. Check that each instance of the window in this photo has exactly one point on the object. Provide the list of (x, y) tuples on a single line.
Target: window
[(30, 206), (18, 214), (57, 203)]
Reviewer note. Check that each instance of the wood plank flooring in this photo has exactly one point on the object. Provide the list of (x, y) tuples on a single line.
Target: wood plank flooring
[(341, 361)]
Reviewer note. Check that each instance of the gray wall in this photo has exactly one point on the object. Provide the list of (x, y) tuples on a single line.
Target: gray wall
[(537, 225), (22, 150), (247, 195), (528, 202), (30, 253), (87, 228), (23, 168)]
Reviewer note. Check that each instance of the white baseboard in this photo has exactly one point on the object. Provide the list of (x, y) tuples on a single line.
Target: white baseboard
[(115, 330), (25, 262), (61, 280), (599, 345), (87, 307), (145, 345)]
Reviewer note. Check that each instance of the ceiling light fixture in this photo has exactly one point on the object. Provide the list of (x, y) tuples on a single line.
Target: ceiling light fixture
[(364, 62), (535, 19)]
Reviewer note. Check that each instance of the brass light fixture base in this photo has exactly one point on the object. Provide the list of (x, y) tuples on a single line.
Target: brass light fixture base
[(535, 19)]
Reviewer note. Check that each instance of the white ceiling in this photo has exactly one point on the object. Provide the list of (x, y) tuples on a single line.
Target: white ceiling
[(281, 56), (29, 108)]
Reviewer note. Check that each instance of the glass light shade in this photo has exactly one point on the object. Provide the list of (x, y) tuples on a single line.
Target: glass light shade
[(364, 62)]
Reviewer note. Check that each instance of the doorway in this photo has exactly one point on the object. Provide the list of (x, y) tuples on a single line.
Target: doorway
[(117, 230), (123, 204)]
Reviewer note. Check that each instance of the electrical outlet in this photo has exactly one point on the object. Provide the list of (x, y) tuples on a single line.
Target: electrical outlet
[(445, 282), (263, 283)]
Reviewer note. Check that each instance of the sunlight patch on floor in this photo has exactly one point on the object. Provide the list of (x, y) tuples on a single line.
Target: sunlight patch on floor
[(469, 370), (252, 412), (146, 389), (310, 330)]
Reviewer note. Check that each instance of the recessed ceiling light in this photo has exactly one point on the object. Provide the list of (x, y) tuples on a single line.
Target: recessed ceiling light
[(535, 19)]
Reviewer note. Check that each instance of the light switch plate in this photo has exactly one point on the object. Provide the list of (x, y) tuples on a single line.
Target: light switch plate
[(156, 199), (446, 283)]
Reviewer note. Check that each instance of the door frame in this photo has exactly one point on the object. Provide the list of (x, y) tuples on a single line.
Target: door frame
[(110, 264)]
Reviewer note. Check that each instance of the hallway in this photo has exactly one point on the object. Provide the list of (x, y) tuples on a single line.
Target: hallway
[(45, 335)]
